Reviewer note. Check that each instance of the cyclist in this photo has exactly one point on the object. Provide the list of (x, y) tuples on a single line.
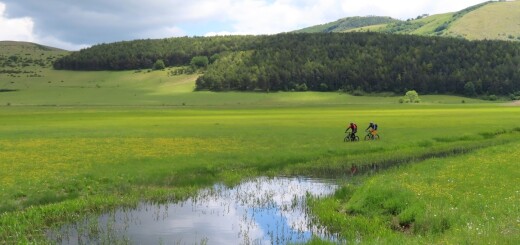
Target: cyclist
[(352, 126), (372, 129)]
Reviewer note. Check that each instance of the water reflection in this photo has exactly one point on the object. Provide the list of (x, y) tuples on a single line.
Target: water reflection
[(261, 211)]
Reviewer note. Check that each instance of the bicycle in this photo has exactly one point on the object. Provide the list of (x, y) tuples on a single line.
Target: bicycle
[(371, 136), (349, 137)]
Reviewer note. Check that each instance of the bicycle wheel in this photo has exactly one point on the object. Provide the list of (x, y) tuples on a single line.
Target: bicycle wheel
[(367, 137), (347, 138), (357, 138), (377, 137)]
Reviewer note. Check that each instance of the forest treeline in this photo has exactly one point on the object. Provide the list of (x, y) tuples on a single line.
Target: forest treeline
[(142, 54), (369, 62)]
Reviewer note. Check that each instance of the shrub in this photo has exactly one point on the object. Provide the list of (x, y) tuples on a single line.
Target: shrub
[(441, 27), (515, 96), (358, 92), (159, 65), (199, 61), (411, 97), (492, 97), (324, 87), (301, 87)]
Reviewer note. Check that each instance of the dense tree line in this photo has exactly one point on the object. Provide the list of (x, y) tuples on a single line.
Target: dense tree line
[(142, 54), (370, 62)]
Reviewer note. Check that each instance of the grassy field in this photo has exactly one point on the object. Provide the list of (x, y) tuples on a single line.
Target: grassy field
[(466, 199), (59, 162), (77, 143), (159, 88)]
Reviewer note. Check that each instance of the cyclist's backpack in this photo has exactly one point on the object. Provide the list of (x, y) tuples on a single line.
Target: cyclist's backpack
[(375, 126), (354, 126)]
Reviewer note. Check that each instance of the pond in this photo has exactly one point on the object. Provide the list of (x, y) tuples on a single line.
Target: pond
[(260, 211)]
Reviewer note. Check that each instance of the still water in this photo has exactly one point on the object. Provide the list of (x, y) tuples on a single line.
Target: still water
[(259, 211)]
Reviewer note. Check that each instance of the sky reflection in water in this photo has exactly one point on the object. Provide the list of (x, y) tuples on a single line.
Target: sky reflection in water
[(261, 211)]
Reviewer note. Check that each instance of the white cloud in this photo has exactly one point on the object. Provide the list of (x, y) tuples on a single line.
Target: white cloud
[(223, 33), (269, 17), (404, 9), (22, 29), (163, 32), (18, 29), (275, 16)]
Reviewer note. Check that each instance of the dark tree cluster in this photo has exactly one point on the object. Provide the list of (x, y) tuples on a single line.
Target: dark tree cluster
[(142, 54), (369, 62)]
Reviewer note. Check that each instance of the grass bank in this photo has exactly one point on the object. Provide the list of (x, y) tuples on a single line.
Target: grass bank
[(455, 200)]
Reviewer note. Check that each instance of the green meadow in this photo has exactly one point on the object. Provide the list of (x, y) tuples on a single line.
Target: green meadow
[(468, 199), (77, 143)]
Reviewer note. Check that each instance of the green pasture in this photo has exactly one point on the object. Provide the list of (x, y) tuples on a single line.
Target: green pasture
[(60, 162), (469, 199), (77, 143), (160, 88)]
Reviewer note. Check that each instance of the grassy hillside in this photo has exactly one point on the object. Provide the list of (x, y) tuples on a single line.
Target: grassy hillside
[(422, 26), (500, 20), (348, 24), (26, 60), (489, 20)]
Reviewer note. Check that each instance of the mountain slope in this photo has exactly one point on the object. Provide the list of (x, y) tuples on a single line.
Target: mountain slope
[(489, 20), (425, 25), (499, 20), (349, 23)]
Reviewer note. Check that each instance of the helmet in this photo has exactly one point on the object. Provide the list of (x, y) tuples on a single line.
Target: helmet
[(371, 123)]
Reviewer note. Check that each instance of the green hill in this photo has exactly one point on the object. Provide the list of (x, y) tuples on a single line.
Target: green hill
[(349, 23), (24, 59), (490, 20), (371, 62), (499, 20)]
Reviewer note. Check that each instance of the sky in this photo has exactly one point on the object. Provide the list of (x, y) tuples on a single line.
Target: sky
[(76, 24)]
